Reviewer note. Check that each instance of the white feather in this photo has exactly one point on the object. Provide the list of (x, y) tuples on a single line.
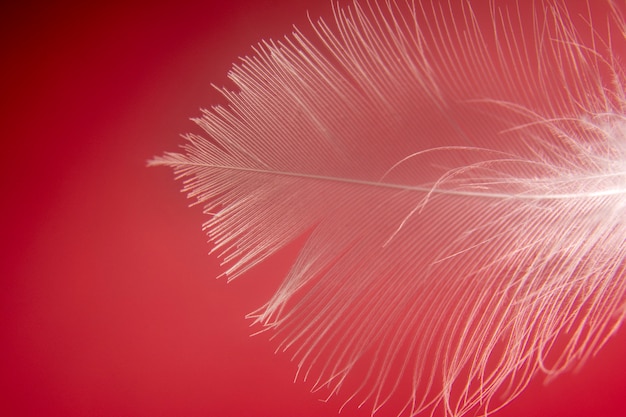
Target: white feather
[(461, 178)]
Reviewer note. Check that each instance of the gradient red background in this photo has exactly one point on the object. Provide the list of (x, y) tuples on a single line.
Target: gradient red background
[(108, 303)]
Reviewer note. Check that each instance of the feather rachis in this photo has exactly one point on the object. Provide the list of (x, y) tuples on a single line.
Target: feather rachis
[(466, 228)]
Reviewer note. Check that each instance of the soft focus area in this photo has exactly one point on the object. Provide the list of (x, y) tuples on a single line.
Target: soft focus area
[(109, 304)]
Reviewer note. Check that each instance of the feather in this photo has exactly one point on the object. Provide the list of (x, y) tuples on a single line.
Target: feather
[(460, 176)]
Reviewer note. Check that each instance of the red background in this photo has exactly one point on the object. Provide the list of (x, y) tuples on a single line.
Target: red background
[(108, 303)]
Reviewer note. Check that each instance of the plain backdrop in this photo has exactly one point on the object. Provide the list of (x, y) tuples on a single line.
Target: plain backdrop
[(108, 302)]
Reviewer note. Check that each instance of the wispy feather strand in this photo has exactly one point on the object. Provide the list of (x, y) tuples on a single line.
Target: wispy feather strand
[(461, 176)]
